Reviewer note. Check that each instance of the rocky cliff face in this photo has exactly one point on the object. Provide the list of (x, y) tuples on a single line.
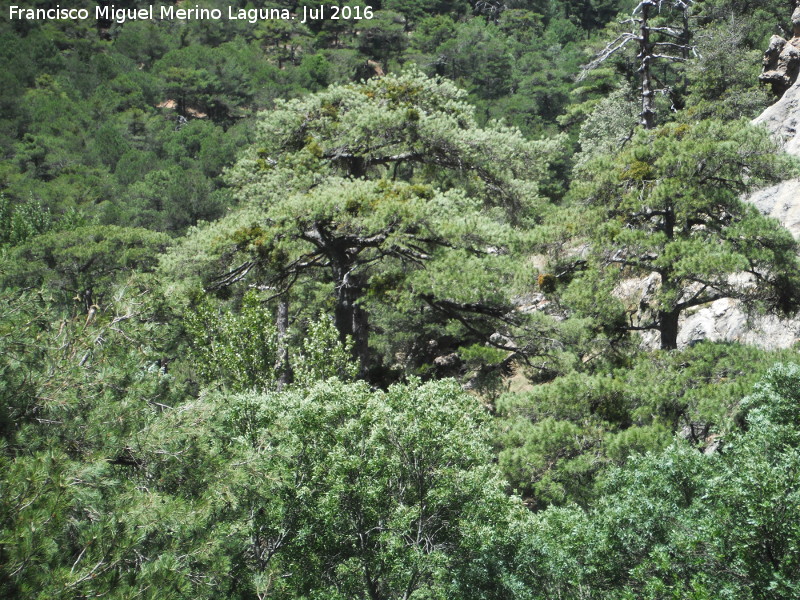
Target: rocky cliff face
[(782, 59), (782, 119), (782, 201), (720, 321)]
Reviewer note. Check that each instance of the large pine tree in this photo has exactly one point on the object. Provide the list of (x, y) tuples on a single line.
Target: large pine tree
[(389, 193)]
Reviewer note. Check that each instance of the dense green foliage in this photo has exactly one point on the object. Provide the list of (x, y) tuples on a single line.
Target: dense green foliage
[(557, 440), (684, 525), (391, 308)]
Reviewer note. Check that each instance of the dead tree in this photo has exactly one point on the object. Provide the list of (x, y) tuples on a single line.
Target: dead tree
[(655, 42)]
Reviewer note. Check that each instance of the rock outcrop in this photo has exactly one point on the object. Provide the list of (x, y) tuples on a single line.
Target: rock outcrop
[(724, 320), (782, 59), (782, 119), (719, 321), (781, 201)]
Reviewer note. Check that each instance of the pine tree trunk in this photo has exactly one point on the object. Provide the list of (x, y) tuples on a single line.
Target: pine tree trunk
[(283, 367), (648, 113), (668, 319), (350, 319), (668, 327)]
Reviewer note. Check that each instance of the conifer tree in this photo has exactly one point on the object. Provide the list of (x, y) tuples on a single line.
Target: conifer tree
[(671, 204), (388, 191)]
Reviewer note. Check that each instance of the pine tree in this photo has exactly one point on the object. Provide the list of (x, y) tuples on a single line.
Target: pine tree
[(670, 204), (391, 193)]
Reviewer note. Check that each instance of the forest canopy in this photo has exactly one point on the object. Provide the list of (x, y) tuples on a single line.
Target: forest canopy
[(454, 300)]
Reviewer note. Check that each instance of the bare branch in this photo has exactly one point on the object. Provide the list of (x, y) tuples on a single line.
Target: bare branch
[(233, 276), (618, 44), (668, 57)]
